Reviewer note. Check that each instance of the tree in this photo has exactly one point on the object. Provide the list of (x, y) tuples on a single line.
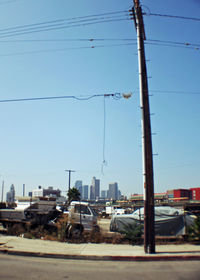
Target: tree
[(73, 194)]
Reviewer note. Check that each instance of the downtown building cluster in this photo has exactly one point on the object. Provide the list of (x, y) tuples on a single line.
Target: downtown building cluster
[(88, 192), (93, 191)]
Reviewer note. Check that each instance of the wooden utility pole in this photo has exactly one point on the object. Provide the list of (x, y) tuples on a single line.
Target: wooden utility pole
[(149, 231), (2, 191), (69, 177)]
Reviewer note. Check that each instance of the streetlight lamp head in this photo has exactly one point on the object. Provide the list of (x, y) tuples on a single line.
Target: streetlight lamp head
[(127, 95)]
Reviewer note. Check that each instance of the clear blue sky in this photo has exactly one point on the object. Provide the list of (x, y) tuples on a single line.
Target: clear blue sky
[(40, 139)]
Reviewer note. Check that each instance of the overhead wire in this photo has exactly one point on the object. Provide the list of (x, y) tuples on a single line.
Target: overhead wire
[(172, 16), (186, 44), (66, 40), (98, 39), (81, 21), (175, 92), (61, 24), (147, 42), (60, 20), (66, 49), (80, 98), (59, 28), (55, 23), (8, 2), (172, 45)]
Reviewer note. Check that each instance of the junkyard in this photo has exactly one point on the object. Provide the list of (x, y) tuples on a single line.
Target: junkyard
[(81, 222)]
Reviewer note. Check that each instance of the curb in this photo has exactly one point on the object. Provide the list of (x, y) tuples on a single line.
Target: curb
[(102, 258)]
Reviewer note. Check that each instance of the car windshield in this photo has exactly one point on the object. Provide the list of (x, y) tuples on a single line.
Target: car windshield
[(94, 212)]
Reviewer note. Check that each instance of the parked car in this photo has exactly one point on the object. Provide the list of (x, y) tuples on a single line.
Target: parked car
[(168, 221)]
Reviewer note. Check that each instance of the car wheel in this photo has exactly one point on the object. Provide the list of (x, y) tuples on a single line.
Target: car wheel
[(75, 231)]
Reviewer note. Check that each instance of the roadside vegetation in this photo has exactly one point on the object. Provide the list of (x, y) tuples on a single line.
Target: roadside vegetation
[(130, 235), (194, 231)]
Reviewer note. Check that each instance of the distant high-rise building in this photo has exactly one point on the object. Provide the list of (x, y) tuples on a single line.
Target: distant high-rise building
[(113, 191), (96, 187), (92, 193), (10, 196), (85, 191), (103, 194), (119, 194), (79, 187)]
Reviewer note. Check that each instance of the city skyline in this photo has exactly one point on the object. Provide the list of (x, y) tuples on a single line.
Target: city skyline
[(110, 192)]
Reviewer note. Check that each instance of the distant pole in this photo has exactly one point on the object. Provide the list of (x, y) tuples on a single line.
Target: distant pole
[(69, 171), (23, 189), (2, 191), (149, 231)]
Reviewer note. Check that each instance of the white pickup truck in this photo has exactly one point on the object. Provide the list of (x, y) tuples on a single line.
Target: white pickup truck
[(81, 218)]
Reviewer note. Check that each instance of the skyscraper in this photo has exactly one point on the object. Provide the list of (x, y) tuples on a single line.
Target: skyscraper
[(92, 196), (103, 194), (113, 191), (96, 187), (10, 196), (85, 191), (78, 186)]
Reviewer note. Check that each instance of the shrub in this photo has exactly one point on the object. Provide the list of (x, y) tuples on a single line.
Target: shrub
[(132, 233), (194, 231)]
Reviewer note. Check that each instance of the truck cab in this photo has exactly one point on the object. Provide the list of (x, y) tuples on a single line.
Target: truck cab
[(81, 218)]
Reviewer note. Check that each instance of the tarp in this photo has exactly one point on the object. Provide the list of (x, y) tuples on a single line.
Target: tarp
[(168, 221)]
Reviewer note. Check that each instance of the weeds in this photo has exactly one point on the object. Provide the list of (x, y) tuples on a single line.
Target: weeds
[(194, 231), (132, 233)]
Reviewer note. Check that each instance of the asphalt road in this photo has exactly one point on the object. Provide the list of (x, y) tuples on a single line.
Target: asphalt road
[(15, 267)]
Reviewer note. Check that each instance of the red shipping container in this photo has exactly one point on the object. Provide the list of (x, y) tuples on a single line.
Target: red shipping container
[(195, 193), (182, 193)]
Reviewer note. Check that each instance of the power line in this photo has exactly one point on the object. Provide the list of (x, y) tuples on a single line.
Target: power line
[(61, 20), (175, 92), (11, 34), (186, 44), (172, 45), (66, 49), (67, 40), (61, 23), (56, 23), (81, 98), (148, 42), (8, 2), (172, 16)]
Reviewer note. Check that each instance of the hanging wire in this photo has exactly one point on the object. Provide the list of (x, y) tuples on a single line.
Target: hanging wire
[(115, 96), (104, 162)]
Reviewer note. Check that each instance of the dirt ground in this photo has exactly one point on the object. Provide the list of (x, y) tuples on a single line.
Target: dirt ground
[(104, 225)]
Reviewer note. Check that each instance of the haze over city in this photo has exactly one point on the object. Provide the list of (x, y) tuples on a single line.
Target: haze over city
[(52, 48)]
